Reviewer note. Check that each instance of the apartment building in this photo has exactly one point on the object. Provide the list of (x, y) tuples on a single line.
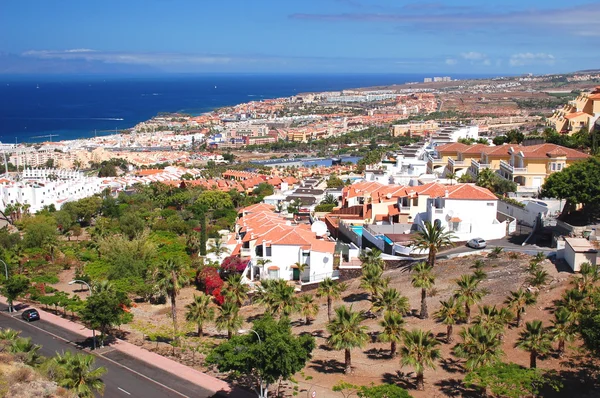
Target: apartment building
[(582, 112), (413, 129), (528, 166)]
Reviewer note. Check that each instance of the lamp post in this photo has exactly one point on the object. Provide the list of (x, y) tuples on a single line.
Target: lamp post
[(90, 291), (6, 273), (263, 391)]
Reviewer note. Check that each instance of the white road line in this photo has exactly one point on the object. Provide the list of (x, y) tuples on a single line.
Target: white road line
[(105, 358), (128, 393)]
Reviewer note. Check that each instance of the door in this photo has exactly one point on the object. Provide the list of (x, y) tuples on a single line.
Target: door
[(537, 182), (296, 274)]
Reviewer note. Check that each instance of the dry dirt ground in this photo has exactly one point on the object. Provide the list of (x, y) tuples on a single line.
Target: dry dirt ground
[(372, 364)]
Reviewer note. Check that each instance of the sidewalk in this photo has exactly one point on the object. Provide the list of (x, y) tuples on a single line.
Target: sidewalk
[(158, 361)]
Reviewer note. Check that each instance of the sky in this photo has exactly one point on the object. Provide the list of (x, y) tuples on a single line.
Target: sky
[(293, 36)]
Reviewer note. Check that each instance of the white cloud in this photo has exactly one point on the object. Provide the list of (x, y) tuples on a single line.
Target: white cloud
[(473, 56), (451, 61), (522, 59)]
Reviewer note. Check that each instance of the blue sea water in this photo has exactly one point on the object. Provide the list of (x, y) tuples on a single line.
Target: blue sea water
[(32, 107)]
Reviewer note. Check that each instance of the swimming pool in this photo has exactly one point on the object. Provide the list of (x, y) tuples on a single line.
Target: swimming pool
[(358, 229)]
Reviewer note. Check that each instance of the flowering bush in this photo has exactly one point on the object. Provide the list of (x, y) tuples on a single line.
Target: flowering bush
[(234, 264), (211, 282)]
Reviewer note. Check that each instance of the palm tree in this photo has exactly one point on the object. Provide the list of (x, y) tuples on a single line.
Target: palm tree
[(479, 347), (218, 248), (518, 301), (563, 329), (278, 297), (588, 275), (485, 179), (535, 339), (390, 300), (432, 238), (199, 311), (9, 334), (492, 318), (573, 300), (392, 324), (308, 307), (419, 351), (76, 372), (229, 318), (468, 293), (371, 258), (329, 199), (193, 243), (450, 313), (372, 281), (236, 290), (539, 278), (451, 177), (346, 333), (170, 278), (479, 272), (25, 349), (332, 290), (423, 278)]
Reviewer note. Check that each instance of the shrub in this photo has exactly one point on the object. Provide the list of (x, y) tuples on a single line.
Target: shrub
[(21, 375), (45, 278)]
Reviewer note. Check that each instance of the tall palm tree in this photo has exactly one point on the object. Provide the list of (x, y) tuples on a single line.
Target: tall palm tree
[(308, 307), (423, 278), (588, 275), (77, 373), (479, 346), (199, 311), (536, 340), (392, 324), (452, 177), (193, 243), (562, 329), (347, 332), (573, 300), (518, 301), (372, 281), (450, 313), (332, 290), (485, 179), (419, 351), (391, 300), (468, 293), (229, 318), (433, 237), (170, 278), (236, 290)]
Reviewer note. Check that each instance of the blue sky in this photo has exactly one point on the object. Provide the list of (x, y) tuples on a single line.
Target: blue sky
[(349, 36)]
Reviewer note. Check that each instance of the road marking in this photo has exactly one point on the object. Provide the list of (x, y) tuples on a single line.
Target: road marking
[(128, 393), (103, 357)]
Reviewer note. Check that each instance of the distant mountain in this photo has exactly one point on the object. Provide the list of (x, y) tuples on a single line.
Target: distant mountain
[(588, 71), (14, 64)]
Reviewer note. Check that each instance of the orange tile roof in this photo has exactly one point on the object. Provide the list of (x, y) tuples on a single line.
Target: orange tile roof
[(452, 147), (543, 150), (575, 115)]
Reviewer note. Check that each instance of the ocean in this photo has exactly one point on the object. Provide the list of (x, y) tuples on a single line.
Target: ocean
[(33, 108)]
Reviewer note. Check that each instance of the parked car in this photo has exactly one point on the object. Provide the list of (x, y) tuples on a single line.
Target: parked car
[(477, 243), (31, 315)]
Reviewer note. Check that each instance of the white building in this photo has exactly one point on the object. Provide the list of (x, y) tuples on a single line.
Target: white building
[(578, 251)]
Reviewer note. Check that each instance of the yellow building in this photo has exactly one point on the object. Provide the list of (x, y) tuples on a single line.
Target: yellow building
[(582, 112)]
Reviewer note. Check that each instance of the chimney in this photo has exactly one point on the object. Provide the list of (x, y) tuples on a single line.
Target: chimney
[(446, 194)]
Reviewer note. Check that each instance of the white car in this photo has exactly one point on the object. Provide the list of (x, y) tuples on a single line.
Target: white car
[(477, 243)]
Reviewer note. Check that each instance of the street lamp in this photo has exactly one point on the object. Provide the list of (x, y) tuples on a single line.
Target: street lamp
[(6, 273), (90, 291), (263, 391)]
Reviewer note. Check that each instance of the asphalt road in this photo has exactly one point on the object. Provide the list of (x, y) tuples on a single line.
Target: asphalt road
[(126, 376)]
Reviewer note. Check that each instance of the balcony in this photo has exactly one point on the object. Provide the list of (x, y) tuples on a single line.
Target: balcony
[(511, 169), (456, 163), (479, 166), (435, 161)]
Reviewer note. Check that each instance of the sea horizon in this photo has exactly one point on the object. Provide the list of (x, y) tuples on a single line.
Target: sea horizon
[(37, 108)]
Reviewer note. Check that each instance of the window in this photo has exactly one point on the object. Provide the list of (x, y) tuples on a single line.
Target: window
[(553, 166), (559, 166), (490, 203), (274, 274)]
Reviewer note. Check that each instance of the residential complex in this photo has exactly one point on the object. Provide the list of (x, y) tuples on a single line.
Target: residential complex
[(582, 112)]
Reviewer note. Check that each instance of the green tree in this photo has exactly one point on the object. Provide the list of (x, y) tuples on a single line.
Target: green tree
[(393, 326), (479, 346), (331, 290), (236, 290), (102, 310), (78, 374), (218, 248), (518, 301), (214, 200), (509, 380), (13, 288), (450, 313), (536, 340), (382, 391), (335, 182), (423, 278), (347, 332), (493, 318), (390, 300), (372, 281), (25, 350), (277, 297), (419, 351), (562, 329), (329, 199), (277, 355), (170, 277), (432, 238), (371, 259), (39, 231), (468, 293), (308, 307), (131, 224), (200, 311), (229, 318)]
